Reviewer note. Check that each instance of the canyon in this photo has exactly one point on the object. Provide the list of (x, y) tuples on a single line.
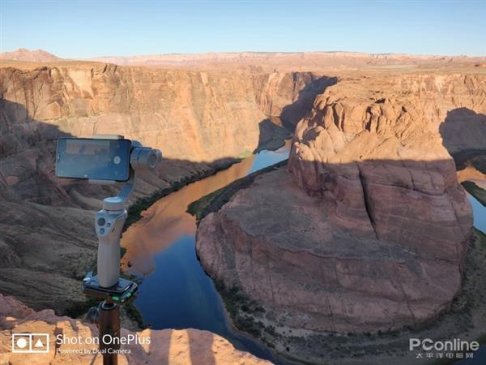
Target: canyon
[(201, 121), (366, 229)]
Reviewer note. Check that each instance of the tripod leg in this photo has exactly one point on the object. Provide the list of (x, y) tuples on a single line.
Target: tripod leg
[(109, 332)]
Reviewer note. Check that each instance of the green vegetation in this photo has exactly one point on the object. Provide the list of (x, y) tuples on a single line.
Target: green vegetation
[(135, 210), (214, 201), (470, 284), (476, 191), (201, 208), (457, 319), (480, 239), (78, 309), (135, 213), (241, 307), (134, 314), (198, 207), (245, 154), (482, 339)]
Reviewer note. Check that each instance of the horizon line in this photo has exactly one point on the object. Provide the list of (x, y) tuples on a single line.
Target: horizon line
[(418, 55)]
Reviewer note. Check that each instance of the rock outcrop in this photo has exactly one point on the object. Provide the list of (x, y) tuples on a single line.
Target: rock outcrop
[(200, 120), (198, 116), (187, 346), (370, 228)]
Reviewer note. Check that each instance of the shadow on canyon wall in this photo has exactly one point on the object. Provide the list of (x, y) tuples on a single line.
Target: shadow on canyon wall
[(47, 240), (386, 222), (40, 209), (272, 134), (293, 113), (47, 230), (464, 136), (275, 129), (405, 217)]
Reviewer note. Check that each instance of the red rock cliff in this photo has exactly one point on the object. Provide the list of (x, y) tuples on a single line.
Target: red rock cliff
[(370, 228), (194, 115), (196, 118)]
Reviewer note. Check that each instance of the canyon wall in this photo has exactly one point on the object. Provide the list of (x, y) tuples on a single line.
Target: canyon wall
[(368, 228), (198, 116), (200, 120)]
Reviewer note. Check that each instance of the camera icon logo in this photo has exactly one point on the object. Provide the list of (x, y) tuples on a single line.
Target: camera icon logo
[(30, 343)]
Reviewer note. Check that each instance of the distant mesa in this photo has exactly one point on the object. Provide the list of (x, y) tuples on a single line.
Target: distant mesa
[(268, 61), (26, 55)]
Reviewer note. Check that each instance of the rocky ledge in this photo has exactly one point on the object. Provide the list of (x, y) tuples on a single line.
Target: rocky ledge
[(368, 228), (187, 346)]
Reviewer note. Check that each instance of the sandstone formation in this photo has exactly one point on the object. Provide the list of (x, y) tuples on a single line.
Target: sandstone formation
[(172, 347), (370, 228), (198, 116), (200, 120), (205, 111)]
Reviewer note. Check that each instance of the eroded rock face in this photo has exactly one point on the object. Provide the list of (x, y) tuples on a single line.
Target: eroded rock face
[(198, 116), (188, 346), (200, 120), (369, 229)]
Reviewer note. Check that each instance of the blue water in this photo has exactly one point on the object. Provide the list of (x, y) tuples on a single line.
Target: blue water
[(479, 219), (479, 358), (175, 291), (479, 214), (174, 288), (267, 158)]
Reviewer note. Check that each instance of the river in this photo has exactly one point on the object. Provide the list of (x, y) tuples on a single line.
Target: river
[(176, 292), (479, 216), (479, 213)]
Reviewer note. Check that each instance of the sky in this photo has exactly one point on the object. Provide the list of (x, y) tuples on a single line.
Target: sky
[(84, 29)]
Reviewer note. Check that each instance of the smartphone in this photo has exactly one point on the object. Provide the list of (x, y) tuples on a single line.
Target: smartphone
[(94, 159)]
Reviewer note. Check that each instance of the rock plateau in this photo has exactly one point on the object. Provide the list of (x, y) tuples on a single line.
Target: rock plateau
[(368, 227)]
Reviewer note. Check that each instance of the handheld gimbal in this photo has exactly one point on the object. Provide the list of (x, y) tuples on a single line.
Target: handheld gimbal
[(105, 160)]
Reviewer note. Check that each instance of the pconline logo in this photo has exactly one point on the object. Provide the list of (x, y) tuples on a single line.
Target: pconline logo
[(30, 343), (443, 349)]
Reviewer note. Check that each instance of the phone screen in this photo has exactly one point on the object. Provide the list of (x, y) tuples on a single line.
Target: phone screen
[(95, 159)]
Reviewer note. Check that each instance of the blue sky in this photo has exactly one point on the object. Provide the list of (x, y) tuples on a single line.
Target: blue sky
[(127, 27)]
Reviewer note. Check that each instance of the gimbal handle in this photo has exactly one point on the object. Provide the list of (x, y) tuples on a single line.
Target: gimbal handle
[(109, 223)]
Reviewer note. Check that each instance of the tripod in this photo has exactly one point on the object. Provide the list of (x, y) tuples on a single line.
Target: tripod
[(107, 284), (109, 325), (86, 158)]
